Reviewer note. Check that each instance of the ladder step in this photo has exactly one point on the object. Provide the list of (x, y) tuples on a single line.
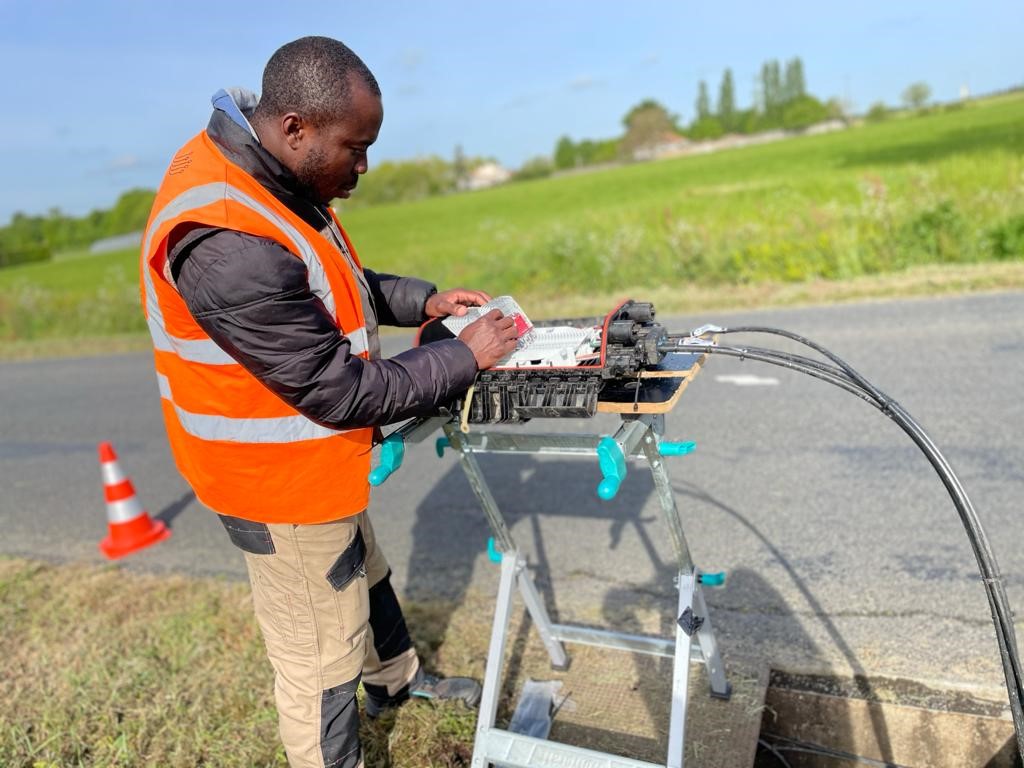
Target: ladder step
[(603, 638), (517, 751)]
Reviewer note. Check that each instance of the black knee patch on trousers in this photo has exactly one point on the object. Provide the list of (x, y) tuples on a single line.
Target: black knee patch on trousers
[(390, 635), (339, 726)]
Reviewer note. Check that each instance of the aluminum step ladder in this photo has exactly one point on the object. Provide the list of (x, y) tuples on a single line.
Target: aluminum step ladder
[(694, 641)]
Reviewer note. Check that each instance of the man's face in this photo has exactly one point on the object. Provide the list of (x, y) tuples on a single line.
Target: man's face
[(335, 153)]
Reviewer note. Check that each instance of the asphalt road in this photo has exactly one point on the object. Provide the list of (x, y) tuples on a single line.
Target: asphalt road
[(843, 550)]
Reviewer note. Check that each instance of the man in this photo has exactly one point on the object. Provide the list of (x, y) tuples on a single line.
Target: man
[(264, 326)]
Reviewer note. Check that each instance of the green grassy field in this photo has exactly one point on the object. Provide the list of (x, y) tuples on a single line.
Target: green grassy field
[(945, 188)]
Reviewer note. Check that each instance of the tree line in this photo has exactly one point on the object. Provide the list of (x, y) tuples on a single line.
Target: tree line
[(36, 238), (782, 102)]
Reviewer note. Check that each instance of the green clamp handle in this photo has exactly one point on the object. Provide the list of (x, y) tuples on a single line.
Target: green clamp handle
[(676, 449), (492, 552), (712, 579), (613, 468), (440, 444), (392, 451)]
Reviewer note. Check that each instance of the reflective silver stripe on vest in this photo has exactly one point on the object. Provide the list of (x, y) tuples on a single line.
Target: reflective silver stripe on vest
[(206, 350), (193, 350), (280, 429), (206, 194)]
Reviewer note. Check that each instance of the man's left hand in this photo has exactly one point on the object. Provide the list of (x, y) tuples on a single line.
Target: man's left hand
[(454, 302)]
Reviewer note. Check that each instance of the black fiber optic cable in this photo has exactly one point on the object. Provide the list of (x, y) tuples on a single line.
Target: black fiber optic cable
[(842, 375), (783, 744)]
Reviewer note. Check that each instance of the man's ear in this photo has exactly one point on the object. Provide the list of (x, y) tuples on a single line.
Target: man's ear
[(293, 128)]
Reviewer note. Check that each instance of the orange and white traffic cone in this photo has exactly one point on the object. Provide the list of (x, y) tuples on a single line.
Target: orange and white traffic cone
[(130, 526)]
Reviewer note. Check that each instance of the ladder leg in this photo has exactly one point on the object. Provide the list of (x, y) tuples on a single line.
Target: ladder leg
[(680, 674), (475, 476), (495, 658), (667, 501), (720, 687), (539, 614)]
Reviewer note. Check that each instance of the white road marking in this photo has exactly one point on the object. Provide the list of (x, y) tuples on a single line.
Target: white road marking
[(747, 380)]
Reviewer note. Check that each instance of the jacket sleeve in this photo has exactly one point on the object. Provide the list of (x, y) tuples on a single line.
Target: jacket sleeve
[(252, 297), (399, 300)]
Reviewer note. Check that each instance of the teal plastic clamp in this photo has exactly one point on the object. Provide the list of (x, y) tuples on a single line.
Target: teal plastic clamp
[(712, 579), (613, 468), (492, 553), (392, 451), (440, 444), (676, 449)]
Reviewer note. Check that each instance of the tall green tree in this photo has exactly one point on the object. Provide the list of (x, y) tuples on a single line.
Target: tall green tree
[(794, 85), (460, 168), (129, 213), (771, 91), (727, 102), (916, 95), (565, 154), (703, 102)]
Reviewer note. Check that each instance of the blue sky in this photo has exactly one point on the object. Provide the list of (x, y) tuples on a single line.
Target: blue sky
[(98, 94)]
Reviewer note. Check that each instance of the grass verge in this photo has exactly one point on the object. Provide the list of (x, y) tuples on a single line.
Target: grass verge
[(99, 667), (104, 667), (928, 281)]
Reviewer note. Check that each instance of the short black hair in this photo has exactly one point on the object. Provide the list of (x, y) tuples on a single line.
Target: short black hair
[(312, 76)]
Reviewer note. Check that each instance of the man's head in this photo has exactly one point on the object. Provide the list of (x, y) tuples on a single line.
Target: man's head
[(319, 112)]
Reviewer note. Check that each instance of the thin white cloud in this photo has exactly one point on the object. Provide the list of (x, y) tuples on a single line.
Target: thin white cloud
[(411, 59), (124, 163), (584, 82), (895, 24), (520, 100)]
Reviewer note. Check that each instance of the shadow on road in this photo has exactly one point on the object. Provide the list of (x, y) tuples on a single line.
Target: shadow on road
[(878, 723), (175, 508)]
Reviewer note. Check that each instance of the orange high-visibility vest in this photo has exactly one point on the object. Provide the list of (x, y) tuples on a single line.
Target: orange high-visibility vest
[(244, 451)]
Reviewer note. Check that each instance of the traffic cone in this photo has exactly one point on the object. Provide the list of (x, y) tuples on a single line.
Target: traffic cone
[(130, 526)]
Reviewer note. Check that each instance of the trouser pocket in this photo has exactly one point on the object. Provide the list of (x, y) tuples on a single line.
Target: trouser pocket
[(349, 564), (248, 535)]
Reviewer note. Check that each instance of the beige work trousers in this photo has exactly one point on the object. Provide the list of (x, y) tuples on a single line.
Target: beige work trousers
[(318, 636)]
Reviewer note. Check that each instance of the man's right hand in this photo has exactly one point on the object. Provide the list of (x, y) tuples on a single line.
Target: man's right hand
[(490, 338)]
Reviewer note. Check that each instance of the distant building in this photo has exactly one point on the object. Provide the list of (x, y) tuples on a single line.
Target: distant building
[(485, 175), (667, 145)]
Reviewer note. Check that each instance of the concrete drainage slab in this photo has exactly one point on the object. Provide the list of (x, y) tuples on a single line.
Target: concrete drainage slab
[(816, 720)]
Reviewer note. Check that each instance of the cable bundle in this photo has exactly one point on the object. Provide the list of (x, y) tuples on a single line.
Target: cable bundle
[(845, 377)]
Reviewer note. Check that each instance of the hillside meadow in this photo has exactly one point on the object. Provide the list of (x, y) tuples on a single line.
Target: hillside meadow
[(944, 188)]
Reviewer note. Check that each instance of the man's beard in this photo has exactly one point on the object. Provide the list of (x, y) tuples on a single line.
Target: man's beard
[(309, 173)]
